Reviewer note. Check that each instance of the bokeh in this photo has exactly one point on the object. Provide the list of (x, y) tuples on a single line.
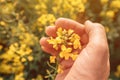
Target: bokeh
[(23, 23)]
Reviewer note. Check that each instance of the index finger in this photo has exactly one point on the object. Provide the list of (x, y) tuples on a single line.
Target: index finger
[(70, 24)]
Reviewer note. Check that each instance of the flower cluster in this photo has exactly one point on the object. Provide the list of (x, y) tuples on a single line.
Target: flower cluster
[(112, 10), (68, 42), (13, 59)]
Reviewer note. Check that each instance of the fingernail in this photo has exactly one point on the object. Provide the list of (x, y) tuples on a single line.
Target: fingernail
[(88, 22)]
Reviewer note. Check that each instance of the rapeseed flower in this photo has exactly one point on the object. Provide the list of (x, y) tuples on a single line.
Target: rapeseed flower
[(68, 42), (115, 4), (52, 59), (65, 52), (103, 1), (110, 13), (59, 70)]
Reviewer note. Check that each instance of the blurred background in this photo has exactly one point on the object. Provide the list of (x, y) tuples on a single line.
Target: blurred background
[(23, 23)]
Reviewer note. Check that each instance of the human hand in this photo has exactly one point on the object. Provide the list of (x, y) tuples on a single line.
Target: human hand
[(93, 60)]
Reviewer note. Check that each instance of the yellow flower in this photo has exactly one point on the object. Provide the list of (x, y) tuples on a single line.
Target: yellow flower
[(117, 73), (74, 56), (107, 29), (118, 68), (1, 47), (54, 42), (65, 53), (52, 59), (39, 77), (2, 23), (59, 32), (103, 1), (115, 4), (81, 8), (59, 70), (76, 44), (46, 19), (1, 78), (23, 60), (19, 76), (110, 14), (30, 58), (84, 1)]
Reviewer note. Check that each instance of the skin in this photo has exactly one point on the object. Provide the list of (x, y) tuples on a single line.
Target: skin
[(93, 60)]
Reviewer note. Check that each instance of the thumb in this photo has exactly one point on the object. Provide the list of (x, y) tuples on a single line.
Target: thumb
[(97, 37), (93, 59)]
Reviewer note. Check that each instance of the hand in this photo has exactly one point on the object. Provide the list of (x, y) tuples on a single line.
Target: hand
[(93, 60)]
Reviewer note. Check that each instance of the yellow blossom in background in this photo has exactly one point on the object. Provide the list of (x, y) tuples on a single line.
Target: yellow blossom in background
[(102, 13), (84, 1), (118, 68), (2, 23), (64, 39), (115, 4), (110, 14), (13, 55), (73, 7), (1, 47), (41, 7), (39, 77), (54, 42), (75, 39), (104, 1), (8, 8), (107, 29), (30, 58), (46, 19), (28, 38), (1, 78), (7, 69), (19, 76), (23, 60)]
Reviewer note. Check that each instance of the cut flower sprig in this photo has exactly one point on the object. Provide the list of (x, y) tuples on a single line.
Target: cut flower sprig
[(68, 43)]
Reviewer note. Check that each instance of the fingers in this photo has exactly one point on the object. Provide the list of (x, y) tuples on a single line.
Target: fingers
[(70, 24), (49, 50), (65, 24), (44, 42), (66, 63), (51, 31), (97, 37), (47, 47)]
